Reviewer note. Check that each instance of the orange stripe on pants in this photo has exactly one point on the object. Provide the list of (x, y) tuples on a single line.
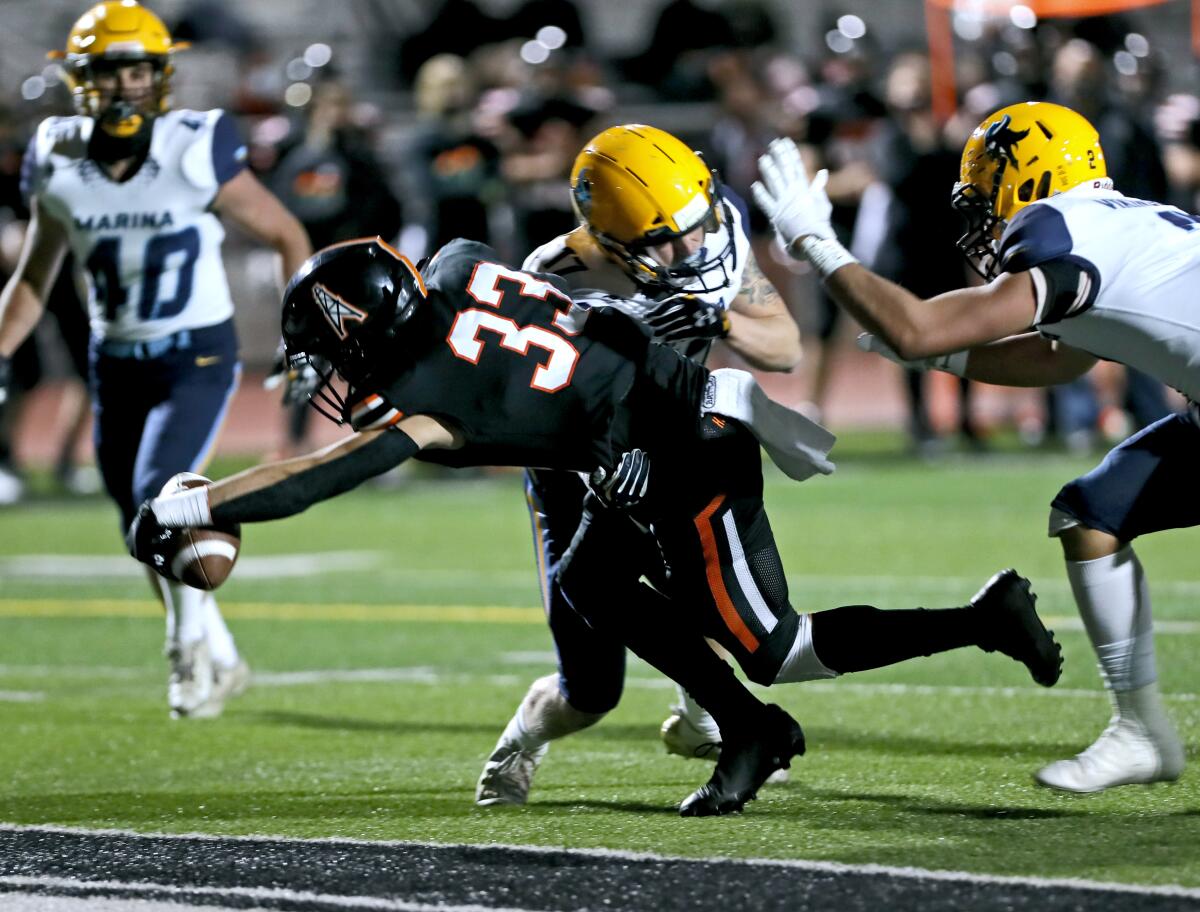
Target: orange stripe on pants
[(716, 582)]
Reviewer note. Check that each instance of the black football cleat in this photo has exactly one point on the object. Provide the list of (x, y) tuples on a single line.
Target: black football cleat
[(745, 763), (1009, 623)]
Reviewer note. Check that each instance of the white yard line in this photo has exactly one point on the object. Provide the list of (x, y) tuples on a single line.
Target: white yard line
[(21, 696), (50, 567), (427, 675)]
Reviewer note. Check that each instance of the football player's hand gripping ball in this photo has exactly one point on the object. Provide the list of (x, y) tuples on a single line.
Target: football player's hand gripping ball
[(150, 542), (683, 317), (796, 207), (627, 485)]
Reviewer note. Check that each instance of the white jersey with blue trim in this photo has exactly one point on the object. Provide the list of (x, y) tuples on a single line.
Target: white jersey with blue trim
[(149, 245), (1115, 277)]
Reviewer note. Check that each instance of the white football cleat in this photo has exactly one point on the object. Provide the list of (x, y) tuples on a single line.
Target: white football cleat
[(684, 738), (508, 774), (1126, 753), (230, 681), (190, 684), (197, 687)]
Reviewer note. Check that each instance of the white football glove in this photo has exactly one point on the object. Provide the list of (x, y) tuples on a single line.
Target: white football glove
[(796, 207), (953, 363)]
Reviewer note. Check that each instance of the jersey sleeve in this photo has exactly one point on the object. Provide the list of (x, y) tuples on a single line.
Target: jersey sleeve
[(218, 155), (1039, 242), (228, 149)]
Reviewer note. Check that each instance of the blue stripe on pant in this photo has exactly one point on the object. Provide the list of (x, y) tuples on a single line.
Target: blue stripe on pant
[(157, 416)]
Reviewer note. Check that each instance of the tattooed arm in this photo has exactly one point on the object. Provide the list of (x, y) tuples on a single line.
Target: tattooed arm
[(760, 328)]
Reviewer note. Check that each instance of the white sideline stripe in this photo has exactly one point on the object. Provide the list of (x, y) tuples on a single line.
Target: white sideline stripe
[(831, 867), (21, 696), (273, 893)]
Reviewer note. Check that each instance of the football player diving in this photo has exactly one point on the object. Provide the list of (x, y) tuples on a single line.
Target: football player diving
[(660, 233), (1077, 272), (469, 361), (137, 190)]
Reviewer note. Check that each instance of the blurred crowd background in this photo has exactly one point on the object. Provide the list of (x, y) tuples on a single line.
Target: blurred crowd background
[(424, 120)]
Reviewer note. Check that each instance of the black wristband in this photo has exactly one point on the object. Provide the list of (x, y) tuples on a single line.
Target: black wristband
[(298, 492)]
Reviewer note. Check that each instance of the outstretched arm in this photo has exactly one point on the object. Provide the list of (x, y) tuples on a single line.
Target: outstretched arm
[(799, 210), (279, 489)]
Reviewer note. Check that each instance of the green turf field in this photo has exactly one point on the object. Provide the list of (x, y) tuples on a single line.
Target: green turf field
[(386, 671)]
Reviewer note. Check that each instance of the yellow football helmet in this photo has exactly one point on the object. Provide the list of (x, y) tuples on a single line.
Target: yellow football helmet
[(112, 34), (1017, 156), (633, 186)]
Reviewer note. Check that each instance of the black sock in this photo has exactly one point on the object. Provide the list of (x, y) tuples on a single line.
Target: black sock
[(858, 637)]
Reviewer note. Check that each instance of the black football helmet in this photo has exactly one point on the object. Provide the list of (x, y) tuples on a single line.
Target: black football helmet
[(355, 310)]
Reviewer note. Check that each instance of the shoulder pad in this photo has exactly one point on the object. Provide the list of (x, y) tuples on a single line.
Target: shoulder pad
[(1038, 233), (741, 212)]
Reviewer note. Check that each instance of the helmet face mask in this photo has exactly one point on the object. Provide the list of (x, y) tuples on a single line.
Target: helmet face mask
[(111, 37), (353, 312), (1019, 155)]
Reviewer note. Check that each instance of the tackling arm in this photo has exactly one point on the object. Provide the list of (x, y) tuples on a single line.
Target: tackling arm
[(950, 322), (760, 328), (253, 207)]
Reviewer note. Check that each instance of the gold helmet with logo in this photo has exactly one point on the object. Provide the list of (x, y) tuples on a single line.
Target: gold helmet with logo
[(112, 34), (634, 186), (1017, 156)]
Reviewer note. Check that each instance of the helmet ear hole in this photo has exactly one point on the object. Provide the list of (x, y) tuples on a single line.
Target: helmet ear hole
[(1043, 188), (1025, 191)]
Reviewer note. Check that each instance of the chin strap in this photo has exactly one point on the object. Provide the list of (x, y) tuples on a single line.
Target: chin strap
[(105, 148)]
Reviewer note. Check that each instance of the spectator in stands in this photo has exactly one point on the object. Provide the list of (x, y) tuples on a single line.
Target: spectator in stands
[(327, 176)]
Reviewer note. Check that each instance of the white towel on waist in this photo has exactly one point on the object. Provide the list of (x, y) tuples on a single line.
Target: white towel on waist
[(799, 447)]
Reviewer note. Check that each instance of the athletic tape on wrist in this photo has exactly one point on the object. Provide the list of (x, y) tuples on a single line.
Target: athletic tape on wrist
[(826, 254), (183, 510), (953, 363)]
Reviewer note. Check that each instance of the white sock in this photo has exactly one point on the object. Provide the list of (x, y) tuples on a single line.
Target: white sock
[(1114, 602), (220, 640), (545, 715), (185, 612), (698, 715)]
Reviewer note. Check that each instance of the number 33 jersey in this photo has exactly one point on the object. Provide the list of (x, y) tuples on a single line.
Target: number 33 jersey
[(149, 244), (506, 359), (1116, 277)]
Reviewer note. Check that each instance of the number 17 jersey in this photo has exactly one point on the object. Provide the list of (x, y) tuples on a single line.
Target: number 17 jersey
[(149, 244)]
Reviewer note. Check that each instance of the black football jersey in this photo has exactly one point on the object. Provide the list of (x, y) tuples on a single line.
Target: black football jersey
[(511, 368)]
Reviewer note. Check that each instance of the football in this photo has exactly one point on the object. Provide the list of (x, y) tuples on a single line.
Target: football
[(206, 554)]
